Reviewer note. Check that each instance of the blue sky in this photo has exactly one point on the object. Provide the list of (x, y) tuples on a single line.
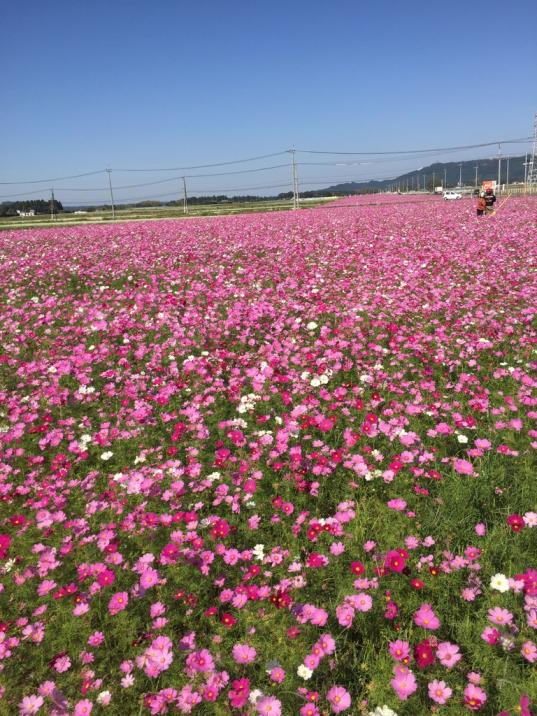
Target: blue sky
[(144, 84)]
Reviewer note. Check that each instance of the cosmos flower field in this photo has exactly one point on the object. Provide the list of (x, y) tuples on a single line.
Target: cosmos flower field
[(271, 464)]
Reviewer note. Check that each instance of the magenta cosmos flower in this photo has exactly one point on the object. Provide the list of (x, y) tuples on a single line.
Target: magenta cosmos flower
[(339, 699), (118, 602)]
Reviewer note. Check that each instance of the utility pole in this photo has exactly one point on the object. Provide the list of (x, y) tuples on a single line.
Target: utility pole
[(532, 165), (111, 193), (52, 204), (507, 179), (460, 174), (295, 179), (185, 204), (433, 182), (476, 168), (525, 165), (499, 164), (445, 178)]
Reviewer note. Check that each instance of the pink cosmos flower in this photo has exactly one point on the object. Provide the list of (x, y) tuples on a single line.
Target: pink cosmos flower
[(490, 635), (277, 674), (398, 504), (201, 661), (309, 710), (118, 602), (439, 691), (62, 664), (327, 644), (474, 697), (106, 577), (238, 694), (243, 654), (83, 708), (30, 705), (426, 618), (149, 578), (500, 616), (395, 561), (363, 602), (529, 651), (47, 688), (339, 699), (400, 650), (311, 661), (268, 706), (96, 639), (404, 682), (448, 654), (463, 467)]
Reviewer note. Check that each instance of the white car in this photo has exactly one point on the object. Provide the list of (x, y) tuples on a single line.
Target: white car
[(449, 195)]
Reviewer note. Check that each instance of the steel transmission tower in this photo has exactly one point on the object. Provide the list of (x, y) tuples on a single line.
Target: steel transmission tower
[(532, 164)]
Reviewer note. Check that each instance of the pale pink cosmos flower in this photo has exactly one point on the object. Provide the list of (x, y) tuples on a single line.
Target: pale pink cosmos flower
[(127, 681), (62, 664), (363, 602), (83, 708), (439, 691), (529, 651), (339, 699), (30, 705), (268, 706), (500, 616), (448, 654)]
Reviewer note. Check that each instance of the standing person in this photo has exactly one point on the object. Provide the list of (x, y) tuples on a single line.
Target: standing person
[(490, 199), (481, 204)]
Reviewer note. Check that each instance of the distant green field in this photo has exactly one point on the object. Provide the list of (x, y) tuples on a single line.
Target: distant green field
[(154, 212)]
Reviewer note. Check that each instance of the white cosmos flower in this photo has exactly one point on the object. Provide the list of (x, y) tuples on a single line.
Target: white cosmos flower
[(106, 455), (304, 672), (499, 582), (382, 711), (462, 439), (254, 695), (311, 326)]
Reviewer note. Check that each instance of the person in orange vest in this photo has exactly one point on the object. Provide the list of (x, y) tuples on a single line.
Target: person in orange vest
[(490, 199), (481, 204)]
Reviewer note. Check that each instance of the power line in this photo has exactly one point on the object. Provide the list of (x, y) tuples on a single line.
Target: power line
[(206, 166), (39, 181), (420, 151)]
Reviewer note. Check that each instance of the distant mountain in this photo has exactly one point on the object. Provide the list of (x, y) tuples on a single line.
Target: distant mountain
[(441, 173)]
